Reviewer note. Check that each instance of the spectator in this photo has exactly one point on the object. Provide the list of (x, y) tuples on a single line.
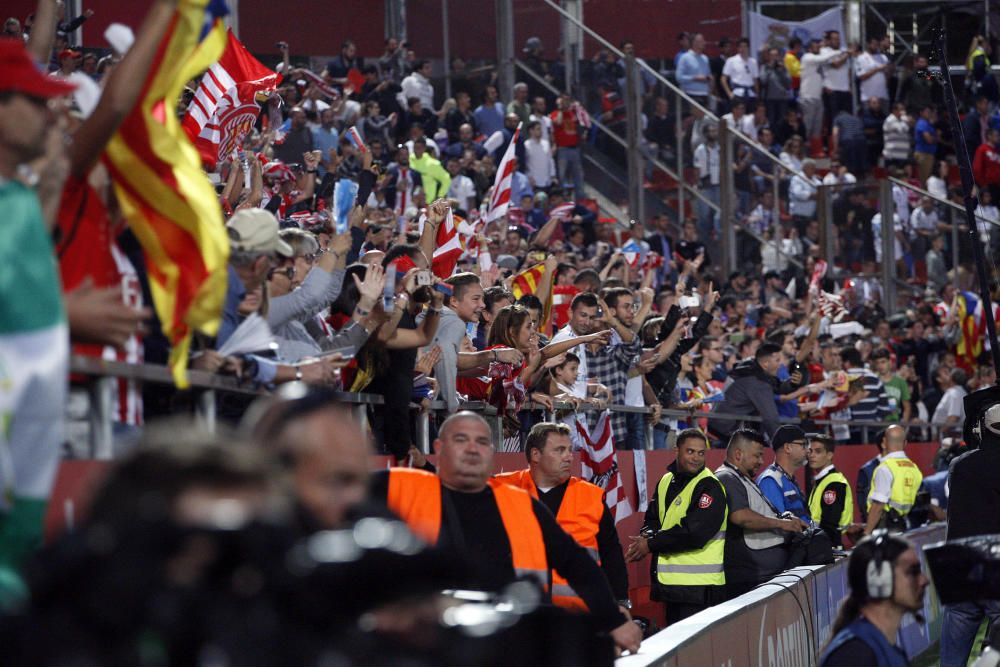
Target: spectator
[(986, 163), (802, 194), (976, 123), (340, 67), (418, 85), (873, 70), (706, 159), (461, 115), (896, 133), (740, 76), (793, 63), (896, 388), (489, 115), (937, 267), (873, 117), (693, 71), (568, 134), (539, 165), (775, 87), (849, 142), (916, 90), (950, 411), (727, 49), (519, 105), (435, 180), (875, 405), (925, 142), (811, 93), (836, 75), (752, 391), (298, 138), (462, 189)]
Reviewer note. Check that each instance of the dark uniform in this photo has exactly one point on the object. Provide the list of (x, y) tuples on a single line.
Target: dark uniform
[(864, 484), (830, 504), (704, 519)]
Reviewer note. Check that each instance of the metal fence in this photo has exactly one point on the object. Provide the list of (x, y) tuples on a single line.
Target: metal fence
[(206, 388)]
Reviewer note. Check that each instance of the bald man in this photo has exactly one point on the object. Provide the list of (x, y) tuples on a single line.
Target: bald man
[(502, 529)]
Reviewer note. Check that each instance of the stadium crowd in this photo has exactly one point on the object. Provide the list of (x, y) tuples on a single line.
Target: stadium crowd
[(370, 231)]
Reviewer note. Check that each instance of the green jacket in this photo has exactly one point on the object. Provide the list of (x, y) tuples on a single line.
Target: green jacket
[(435, 179)]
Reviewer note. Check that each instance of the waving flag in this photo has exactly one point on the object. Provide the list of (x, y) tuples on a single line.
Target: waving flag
[(632, 252), (970, 345), (563, 211), (449, 247), (224, 108), (600, 464), (500, 199), (163, 192)]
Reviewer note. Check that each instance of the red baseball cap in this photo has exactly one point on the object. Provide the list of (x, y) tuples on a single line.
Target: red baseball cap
[(19, 73), (69, 53)]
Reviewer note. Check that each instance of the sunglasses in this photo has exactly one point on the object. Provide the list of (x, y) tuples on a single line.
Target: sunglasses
[(288, 272)]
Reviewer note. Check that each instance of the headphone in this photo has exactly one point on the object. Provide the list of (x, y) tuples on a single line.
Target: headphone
[(879, 578)]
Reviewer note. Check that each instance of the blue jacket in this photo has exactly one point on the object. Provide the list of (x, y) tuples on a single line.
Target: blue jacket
[(783, 492), (886, 654)]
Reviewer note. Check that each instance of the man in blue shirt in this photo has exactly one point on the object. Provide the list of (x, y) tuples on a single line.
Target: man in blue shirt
[(777, 482), (925, 141), (694, 73)]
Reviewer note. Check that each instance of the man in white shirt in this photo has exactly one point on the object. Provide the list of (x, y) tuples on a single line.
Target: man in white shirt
[(418, 85), (836, 76), (540, 113), (538, 162), (739, 76), (462, 188), (950, 410), (802, 193), (811, 92), (873, 69), (706, 159), (736, 118)]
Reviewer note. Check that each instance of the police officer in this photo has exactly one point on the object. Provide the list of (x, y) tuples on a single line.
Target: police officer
[(830, 503), (777, 482), (973, 509), (499, 528), (578, 506), (685, 530), (894, 485)]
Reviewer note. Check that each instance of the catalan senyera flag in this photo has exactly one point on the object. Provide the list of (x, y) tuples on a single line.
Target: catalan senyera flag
[(163, 192), (527, 282)]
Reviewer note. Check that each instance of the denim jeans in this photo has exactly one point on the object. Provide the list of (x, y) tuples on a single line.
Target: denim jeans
[(959, 628), (635, 433), (570, 168)]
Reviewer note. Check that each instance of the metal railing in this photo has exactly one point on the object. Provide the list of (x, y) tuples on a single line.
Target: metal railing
[(206, 387)]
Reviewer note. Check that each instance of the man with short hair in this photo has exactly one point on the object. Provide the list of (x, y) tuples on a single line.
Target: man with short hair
[(836, 75), (950, 410), (707, 161), (894, 485), (298, 139), (495, 526), (873, 70), (811, 93), (609, 363), (896, 388), (755, 535), (694, 73), (777, 482), (418, 85), (830, 503), (752, 391), (740, 76), (925, 143), (578, 506), (685, 531), (434, 178), (875, 405), (463, 308)]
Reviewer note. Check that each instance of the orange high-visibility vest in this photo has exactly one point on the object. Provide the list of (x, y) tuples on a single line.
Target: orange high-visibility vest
[(579, 515), (415, 495)]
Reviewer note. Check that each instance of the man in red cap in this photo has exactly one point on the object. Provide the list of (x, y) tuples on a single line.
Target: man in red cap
[(34, 341), (68, 61)]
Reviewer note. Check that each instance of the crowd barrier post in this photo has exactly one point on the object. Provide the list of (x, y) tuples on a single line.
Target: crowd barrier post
[(505, 46), (727, 194), (101, 391), (205, 411), (633, 128), (887, 208), (677, 106)]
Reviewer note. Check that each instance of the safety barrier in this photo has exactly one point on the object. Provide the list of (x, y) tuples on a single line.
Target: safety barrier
[(206, 387), (785, 621)]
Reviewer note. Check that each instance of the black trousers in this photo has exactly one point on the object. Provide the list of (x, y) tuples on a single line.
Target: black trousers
[(678, 611)]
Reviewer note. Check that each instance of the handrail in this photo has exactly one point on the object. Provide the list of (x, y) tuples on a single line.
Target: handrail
[(620, 141), (104, 373), (946, 202)]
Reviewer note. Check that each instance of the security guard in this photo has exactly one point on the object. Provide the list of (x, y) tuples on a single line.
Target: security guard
[(777, 482), (894, 485), (499, 529), (830, 503), (686, 530), (578, 506)]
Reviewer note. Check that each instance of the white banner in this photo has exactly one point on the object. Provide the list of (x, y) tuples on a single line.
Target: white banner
[(766, 31)]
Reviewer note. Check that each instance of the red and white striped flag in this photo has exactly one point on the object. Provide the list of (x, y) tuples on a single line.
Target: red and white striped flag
[(500, 199), (563, 211), (224, 108), (449, 247), (600, 464)]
